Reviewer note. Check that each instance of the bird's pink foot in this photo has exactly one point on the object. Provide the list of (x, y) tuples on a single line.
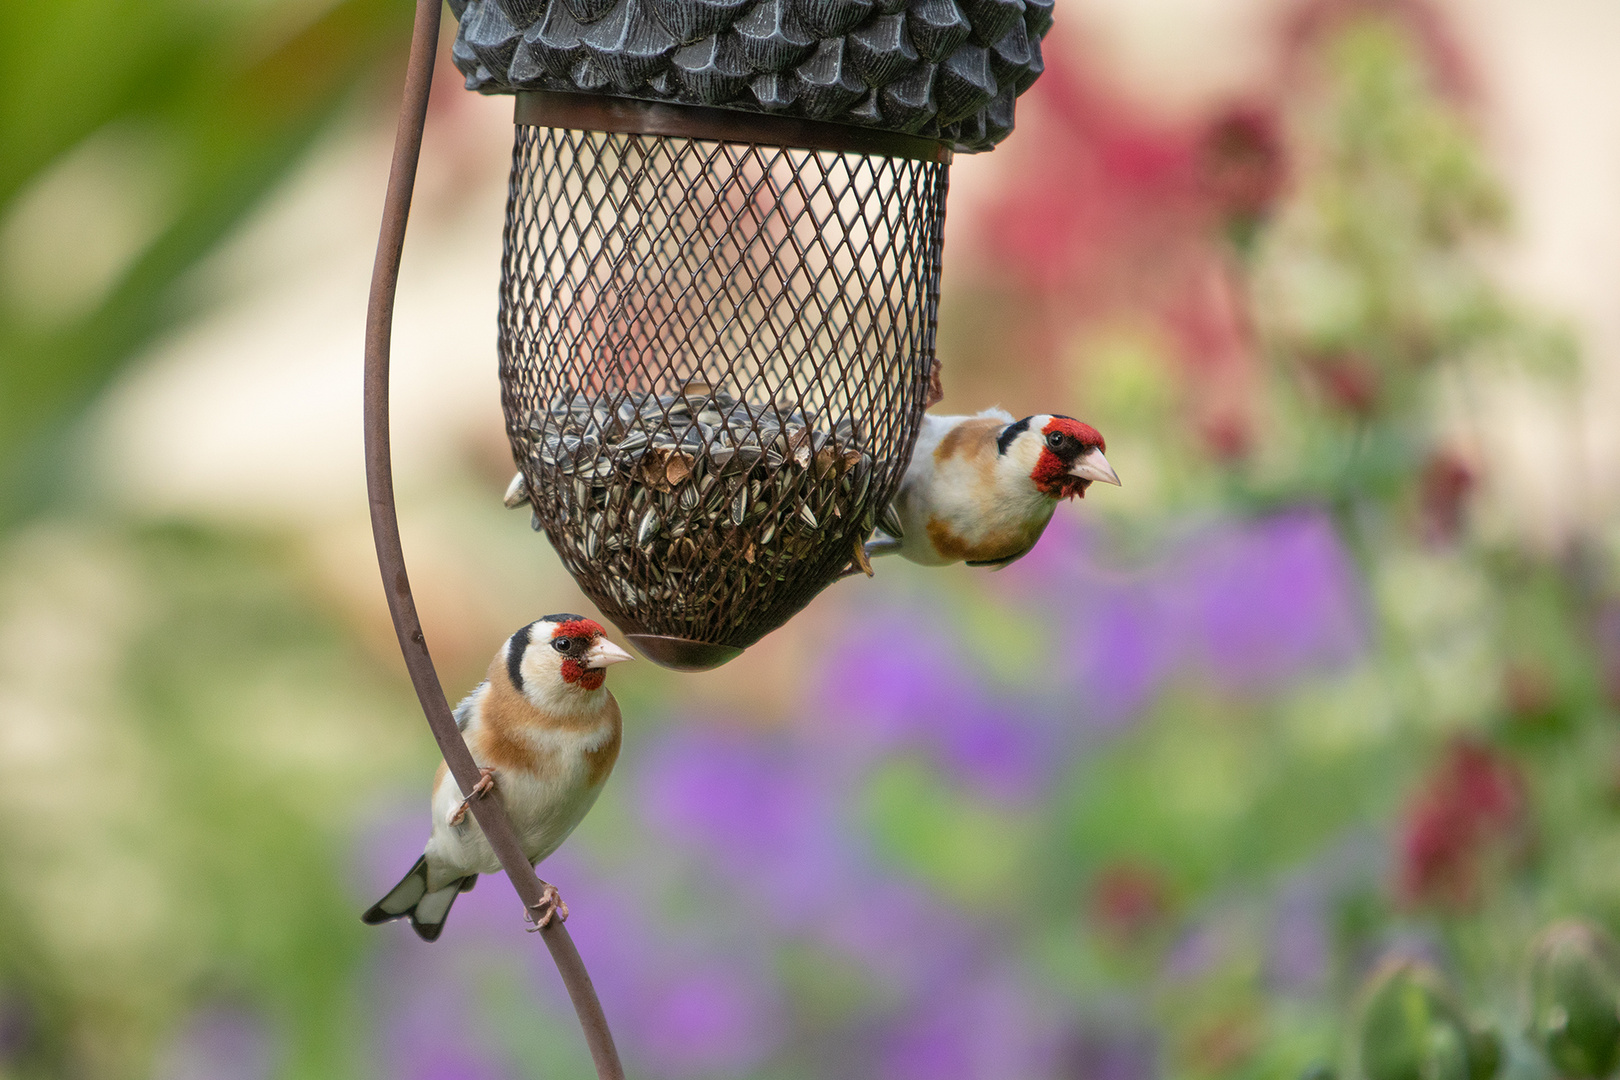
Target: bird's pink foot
[(550, 904), (485, 785)]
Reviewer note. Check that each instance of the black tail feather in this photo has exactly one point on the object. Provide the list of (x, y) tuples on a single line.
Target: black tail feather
[(409, 898)]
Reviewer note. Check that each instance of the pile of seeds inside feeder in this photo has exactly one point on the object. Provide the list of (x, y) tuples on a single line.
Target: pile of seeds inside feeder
[(666, 485)]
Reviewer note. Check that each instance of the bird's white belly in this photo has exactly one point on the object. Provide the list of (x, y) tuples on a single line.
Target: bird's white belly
[(951, 500), (544, 811)]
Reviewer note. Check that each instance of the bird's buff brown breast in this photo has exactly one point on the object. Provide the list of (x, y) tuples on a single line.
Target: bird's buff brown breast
[(999, 544), (502, 742)]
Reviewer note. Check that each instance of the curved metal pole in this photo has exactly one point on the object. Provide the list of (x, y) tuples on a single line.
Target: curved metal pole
[(489, 811)]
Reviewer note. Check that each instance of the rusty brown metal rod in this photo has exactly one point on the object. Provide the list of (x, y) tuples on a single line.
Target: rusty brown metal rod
[(489, 811)]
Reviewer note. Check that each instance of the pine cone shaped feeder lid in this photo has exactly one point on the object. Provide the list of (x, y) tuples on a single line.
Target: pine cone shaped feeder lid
[(946, 70), (719, 281)]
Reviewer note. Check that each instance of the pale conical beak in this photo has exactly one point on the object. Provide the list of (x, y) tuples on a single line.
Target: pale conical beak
[(604, 653), (1093, 466)]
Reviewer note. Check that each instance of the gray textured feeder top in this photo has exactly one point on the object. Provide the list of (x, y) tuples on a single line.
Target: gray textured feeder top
[(942, 69)]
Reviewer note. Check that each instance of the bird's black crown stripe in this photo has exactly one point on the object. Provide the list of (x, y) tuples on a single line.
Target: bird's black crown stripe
[(514, 656), (562, 617), (1011, 432)]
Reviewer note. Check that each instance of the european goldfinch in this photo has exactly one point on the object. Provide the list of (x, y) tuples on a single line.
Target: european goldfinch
[(542, 729), (982, 488)]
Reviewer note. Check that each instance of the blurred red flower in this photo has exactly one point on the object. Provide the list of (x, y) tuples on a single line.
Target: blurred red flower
[(1241, 163), (1348, 379), (1443, 489), (1470, 806), (1128, 901)]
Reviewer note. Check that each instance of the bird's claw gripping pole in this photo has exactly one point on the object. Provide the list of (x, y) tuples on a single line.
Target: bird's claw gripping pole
[(539, 900)]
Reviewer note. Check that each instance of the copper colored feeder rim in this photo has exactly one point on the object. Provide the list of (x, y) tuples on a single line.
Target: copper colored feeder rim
[(683, 654), (599, 112)]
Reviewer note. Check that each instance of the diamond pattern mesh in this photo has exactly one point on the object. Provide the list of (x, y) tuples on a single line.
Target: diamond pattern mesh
[(714, 357)]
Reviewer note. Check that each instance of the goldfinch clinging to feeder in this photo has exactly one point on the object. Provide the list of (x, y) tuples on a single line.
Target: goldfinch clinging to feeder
[(543, 730), (982, 488)]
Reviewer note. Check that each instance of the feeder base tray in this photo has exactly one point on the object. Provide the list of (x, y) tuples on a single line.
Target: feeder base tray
[(683, 654)]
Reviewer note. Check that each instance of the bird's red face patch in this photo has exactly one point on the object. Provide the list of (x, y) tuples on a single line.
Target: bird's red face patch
[(1064, 440), (585, 628), (573, 672)]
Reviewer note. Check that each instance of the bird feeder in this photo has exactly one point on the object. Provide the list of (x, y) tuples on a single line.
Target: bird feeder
[(720, 278)]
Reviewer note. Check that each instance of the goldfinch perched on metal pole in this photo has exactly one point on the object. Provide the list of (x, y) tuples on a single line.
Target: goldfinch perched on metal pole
[(545, 732), (981, 488)]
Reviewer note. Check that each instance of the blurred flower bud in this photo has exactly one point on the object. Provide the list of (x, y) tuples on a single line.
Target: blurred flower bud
[(1575, 999), (1412, 1028), (1472, 805), (1443, 490), (1241, 169), (1128, 901), (1349, 380), (1228, 437), (1606, 633), (18, 1026)]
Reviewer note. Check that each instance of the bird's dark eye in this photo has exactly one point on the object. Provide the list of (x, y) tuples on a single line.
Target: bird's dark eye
[(562, 644), (1055, 440)]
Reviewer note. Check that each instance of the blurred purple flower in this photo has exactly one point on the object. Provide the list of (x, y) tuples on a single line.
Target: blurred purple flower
[(885, 681), (900, 685), (983, 1028), (219, 1043), (1250, 603), (428, 1032), (1272, 599), (901, 934), (443, 1063), (710, 1020), (681, 1005), (761, 814), (17, 1026), (1300, 949), (1199, 950), (1124, 646), (1005, 750), (1108, 1051)]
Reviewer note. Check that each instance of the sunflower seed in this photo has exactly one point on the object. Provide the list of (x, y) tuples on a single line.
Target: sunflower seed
[(632, 441), (517, 492), (648, 527), (889, 522), (739, 506), (860, 486)]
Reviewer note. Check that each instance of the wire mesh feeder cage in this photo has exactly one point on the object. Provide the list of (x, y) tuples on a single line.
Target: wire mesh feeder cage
[(714, 356), (717, 325)]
